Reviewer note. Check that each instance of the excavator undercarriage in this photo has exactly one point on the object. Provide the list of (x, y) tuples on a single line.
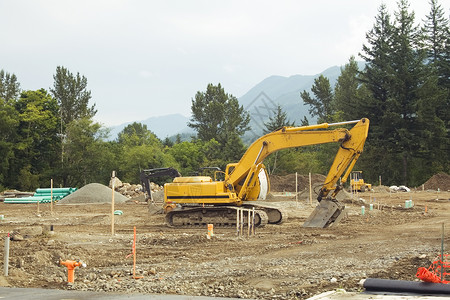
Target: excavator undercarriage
[(224, 216)]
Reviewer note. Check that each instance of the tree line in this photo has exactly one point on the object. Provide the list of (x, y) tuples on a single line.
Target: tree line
[(404, 89)]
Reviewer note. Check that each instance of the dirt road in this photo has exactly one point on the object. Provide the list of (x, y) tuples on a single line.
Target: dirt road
[(280, 262)]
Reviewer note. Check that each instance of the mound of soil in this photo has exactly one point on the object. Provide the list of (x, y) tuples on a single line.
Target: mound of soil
[(381, 189), (439, 181), (287, 183), (93, 193)]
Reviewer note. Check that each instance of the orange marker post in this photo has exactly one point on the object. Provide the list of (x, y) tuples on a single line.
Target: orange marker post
[(134, 256), (210, 230)]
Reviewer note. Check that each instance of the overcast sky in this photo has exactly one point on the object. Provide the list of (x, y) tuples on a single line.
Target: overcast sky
[(149, 58)]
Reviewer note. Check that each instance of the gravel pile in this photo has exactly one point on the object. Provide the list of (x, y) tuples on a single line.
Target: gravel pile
[(93, 193)]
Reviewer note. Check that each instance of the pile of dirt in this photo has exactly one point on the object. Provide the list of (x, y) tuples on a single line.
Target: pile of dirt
[(381, 189), (439, 181), (93, 193), (287, 183)]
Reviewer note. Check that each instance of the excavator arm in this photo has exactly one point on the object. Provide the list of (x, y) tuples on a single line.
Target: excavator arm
[(239, 178)]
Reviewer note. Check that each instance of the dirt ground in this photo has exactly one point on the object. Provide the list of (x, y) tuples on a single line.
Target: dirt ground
[(280, 262)]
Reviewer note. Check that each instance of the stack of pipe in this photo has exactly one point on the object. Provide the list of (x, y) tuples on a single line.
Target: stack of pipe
[(43, 196)]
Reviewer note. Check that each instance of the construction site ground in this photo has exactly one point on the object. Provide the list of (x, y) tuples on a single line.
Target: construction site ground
[(283, 261)]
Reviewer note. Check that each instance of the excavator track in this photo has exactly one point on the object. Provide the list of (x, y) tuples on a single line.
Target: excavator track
[(220, 216), (276, 215)]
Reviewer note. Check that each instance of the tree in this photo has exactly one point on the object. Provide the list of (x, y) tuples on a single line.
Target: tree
[(190, 156), (408, 63), (436, 39), (404, 130), (37, 142), (9, 120), (86, 155), (277, 121), (349, 92), (137, 134), (9, 86), (377, 74), (321, 104), (436, 34), (72, 95), (218, 115)]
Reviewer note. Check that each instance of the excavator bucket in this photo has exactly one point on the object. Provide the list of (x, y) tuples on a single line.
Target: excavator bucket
[(326, 214), (155, 208)]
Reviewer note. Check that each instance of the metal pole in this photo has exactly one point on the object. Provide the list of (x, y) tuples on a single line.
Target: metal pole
[(253, 221), (310, 189), (242, 222), (237, 222), (442, 253), (6, 256), (248, 229), (112, 202)]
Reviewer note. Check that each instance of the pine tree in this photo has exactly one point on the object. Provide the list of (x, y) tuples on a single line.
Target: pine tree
[(277, 121), (321, 104), (218, 115), (348, 93)]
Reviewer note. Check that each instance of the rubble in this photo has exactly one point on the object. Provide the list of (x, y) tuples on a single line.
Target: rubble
[(132, 190)]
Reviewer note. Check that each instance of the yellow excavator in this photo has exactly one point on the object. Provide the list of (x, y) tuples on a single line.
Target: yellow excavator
[(199, 200)]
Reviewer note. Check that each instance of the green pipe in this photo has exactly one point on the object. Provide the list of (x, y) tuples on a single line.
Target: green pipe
[(56, 190)]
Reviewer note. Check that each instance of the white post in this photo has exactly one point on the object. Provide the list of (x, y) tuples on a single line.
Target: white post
[(296, 188), (253, 221), (242, 222), (237, 222), (6, 257), (310, 189), (112, 201), (248, 231)]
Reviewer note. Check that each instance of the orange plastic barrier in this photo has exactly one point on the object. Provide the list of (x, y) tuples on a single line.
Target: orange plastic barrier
[(437, 270)]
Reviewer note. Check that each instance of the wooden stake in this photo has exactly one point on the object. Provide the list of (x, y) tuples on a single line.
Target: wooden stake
[(51, 195), (296, 188), (134, 256)]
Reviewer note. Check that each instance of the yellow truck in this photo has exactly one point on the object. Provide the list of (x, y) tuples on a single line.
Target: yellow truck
[(357, 182)]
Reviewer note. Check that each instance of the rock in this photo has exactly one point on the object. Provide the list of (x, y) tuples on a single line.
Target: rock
[(117, 183), (15, 236), (30, 230)]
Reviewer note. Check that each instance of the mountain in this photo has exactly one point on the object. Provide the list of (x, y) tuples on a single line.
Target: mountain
[(163, 126), (263, 99), (260, 101)]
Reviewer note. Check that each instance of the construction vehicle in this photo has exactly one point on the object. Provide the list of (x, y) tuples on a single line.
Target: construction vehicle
[(198, 200), (357, 182), (147, 174)]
